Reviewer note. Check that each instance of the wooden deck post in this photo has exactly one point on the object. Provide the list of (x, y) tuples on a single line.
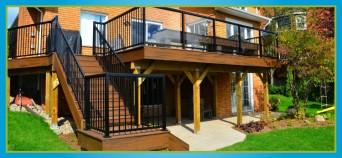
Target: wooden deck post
[(196, 100), (196, 80), (137, 71), (239, 99), (266, 96), (264, 79), (48, 92), (54, 111), (238, 80), (8, 89), (177, 83)]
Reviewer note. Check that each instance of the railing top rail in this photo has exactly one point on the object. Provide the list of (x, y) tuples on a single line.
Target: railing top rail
[(35, 24)]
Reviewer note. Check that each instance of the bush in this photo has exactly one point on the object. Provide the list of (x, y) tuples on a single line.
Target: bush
[(274, 101), (275, 89)]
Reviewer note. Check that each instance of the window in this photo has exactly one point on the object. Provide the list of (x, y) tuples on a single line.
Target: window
[(151, 28), (247, 94), (199, 27), (86, 26), (232, 30), (283, 22), (300, 22)]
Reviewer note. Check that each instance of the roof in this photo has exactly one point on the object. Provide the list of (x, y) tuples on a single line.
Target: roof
[(244, 14)]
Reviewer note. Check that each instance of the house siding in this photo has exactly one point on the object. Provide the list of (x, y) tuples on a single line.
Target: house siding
[(224, 107)]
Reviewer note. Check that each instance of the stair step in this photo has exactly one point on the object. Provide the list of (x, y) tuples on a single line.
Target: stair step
[(89, 62), (85, 58)]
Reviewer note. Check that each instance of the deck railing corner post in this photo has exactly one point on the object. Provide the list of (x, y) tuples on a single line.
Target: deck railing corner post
[(144, 25)]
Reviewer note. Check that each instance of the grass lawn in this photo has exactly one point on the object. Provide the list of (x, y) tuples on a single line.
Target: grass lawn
[(292, 139), (285, 102), (27, 132)]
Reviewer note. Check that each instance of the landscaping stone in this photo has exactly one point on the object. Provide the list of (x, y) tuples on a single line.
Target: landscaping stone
[(65, 125), (319, 118), (11, 99)]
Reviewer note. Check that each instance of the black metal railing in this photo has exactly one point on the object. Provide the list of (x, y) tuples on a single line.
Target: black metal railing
[(168, 27), (119, 99), (111, 112), (73, 71), (104, 52), (29, 40)]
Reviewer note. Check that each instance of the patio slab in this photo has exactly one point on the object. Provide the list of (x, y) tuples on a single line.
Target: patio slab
[(214, 133)]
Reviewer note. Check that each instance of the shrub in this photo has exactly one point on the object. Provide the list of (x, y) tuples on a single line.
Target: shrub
[(276, 89), (274, 101)]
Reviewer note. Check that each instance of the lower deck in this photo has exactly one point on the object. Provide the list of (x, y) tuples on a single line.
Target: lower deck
[(138, 141)]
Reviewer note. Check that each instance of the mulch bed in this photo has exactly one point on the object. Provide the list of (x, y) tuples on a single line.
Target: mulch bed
[(262, 127)]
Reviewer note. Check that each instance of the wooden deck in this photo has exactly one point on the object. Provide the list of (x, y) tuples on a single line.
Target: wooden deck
[(191, 56), (151, 140)]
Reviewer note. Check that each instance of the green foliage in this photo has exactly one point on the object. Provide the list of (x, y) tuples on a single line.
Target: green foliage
[(311, 59), (282, 116), (290, 123), (276, 89), (329, 115), (311, 107), (274, 101), (307, 122), (27, 132), (292, 139)]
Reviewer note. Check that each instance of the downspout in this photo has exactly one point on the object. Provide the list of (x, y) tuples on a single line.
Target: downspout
[(40, 30)]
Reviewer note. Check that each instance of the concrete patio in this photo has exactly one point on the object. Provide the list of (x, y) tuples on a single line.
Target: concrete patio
[(214, 133)]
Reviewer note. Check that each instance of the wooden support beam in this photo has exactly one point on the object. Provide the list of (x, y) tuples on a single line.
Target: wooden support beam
[(137, 71), (196, 106), (149, 68), (266, 96), (238, 80), (197, 78), (178, 100), (48, 92), (239, 100), (210, 79), (171, 79), (260, 76), (8, 89), (54, 109), (190, 77)]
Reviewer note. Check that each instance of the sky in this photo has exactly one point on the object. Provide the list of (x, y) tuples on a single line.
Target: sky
[(12, 13)]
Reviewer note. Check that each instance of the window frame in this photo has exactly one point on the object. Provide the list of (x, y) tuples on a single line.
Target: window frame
[(93, 13), (146, 25), (304, 18), (241, 23), (192, 24)]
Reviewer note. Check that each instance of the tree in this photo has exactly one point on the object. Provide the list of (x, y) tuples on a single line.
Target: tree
[(310, 53), (310, 56)]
